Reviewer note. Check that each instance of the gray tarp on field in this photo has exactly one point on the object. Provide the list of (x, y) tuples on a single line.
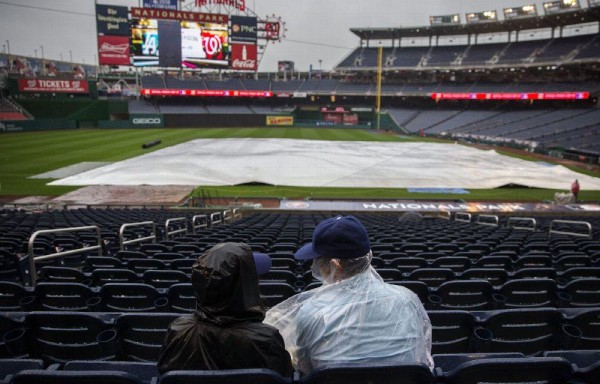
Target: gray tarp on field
[(318, 163)]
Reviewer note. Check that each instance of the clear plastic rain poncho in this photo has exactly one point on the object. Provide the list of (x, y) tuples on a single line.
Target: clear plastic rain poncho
[(354, 317)]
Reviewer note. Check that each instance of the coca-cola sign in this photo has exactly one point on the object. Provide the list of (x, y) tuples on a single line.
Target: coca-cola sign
[(113, 50), (243, 57), (53, 86)]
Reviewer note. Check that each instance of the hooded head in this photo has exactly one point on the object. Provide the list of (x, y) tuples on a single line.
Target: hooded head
[(225, 282)]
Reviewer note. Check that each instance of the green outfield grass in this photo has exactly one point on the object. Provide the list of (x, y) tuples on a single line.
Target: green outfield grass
[(30, 153)]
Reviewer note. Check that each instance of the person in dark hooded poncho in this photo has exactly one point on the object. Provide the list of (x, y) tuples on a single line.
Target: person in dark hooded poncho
[(226, 330)]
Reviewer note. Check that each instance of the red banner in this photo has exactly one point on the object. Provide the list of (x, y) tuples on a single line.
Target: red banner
[(243, 57), (151, 13), (113, 50), (512, 96), (53, 85), (205, 93)]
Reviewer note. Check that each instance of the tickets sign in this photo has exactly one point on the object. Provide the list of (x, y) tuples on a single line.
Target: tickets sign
[(53, 86)]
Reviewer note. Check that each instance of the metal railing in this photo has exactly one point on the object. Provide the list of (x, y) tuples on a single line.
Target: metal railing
[(462, 216), (522, 219), (203, 219), (33, 258), (227, 216), (176, 231), (493, 218), (124, 242), (237, 214), (216, 218), (573, 223)]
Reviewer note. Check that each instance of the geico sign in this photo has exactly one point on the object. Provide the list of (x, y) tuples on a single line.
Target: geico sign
[(147, 120)]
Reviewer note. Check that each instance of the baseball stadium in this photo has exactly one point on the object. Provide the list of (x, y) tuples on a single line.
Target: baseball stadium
[(468, 147)]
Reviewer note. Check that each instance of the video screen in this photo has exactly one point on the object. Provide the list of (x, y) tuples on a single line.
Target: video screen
[(195, 44)]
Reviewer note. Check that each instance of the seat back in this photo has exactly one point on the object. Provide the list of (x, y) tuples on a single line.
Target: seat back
[(369, 374), (232, 376)]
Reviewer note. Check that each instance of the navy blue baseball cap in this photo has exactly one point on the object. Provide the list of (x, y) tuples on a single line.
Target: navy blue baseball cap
[(340, 237), (262, 262)]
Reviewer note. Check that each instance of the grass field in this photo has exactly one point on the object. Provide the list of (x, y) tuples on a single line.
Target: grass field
[(30, 153)]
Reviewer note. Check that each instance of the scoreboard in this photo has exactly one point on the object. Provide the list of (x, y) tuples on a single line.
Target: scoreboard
[(520, 12), (559, 6), (445, 20), (481, 17)]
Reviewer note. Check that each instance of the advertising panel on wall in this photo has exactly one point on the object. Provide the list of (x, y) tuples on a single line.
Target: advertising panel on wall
[(112, 20), (146, 120), (113, 50), (53, 86), (243, 29), (243, 57), (161, 4), (280, 120), (194, 44)]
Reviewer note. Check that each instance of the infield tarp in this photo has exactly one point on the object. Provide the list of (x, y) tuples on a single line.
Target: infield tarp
[(316, 163)]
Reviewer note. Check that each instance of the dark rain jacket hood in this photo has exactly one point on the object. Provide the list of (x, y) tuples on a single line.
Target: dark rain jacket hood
[(226, 330), (226, 285)]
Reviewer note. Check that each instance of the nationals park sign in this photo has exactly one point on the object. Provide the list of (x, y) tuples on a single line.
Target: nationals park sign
[(409, 205)]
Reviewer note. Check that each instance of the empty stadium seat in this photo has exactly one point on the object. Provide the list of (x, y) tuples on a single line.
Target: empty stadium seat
[(232, 376), (511, 370), (273, 293), (146, 372), (74, 377), (451, 331), (132, 297), (369, 374), (141, 335), (462, 295)]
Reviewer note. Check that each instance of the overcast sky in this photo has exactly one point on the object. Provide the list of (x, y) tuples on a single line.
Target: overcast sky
[(316, 29)]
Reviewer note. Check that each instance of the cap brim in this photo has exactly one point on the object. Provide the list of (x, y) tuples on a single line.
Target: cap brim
[(263, 262), (306, 253)]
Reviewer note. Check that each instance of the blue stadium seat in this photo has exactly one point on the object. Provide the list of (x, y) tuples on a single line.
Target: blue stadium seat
[(62, 274), (140, 266), (447, 362), (58, 337), (451, 331), (14, 297), (130, 297), (183, 265), (369, 374), (141, 335), (64, 297), (145, 372), (588, 324), (581, 293), (433, 277), (528, 331), (14, 342), (462, 295), (232, 376), (10, 367), (74, 377), (164, 279), (408, 264), (496, 276), (526, 293), (418, 287), (273, 293), (182, 298), (548, 370), (106, 276)]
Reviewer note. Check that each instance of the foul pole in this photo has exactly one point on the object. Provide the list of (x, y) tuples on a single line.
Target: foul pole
[(378, 106)]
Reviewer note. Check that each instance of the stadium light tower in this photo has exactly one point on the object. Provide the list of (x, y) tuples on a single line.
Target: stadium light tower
[(35, 52), (42, 47), (8, 46), (71, 55)]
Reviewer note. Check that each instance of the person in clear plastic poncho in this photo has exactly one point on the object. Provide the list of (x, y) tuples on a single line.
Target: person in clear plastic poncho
[(354, 317)]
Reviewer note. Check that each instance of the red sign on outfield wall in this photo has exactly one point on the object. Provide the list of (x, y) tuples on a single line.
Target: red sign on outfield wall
[(243, 57), (113, 50), (53, 85)]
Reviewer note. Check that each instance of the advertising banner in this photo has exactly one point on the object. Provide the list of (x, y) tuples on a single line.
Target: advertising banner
[(53, 86), (112, 20), (146, 121), (280, 120), (243, 57), (433, 206), (161, 4), (243, 29), (113, 50)]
